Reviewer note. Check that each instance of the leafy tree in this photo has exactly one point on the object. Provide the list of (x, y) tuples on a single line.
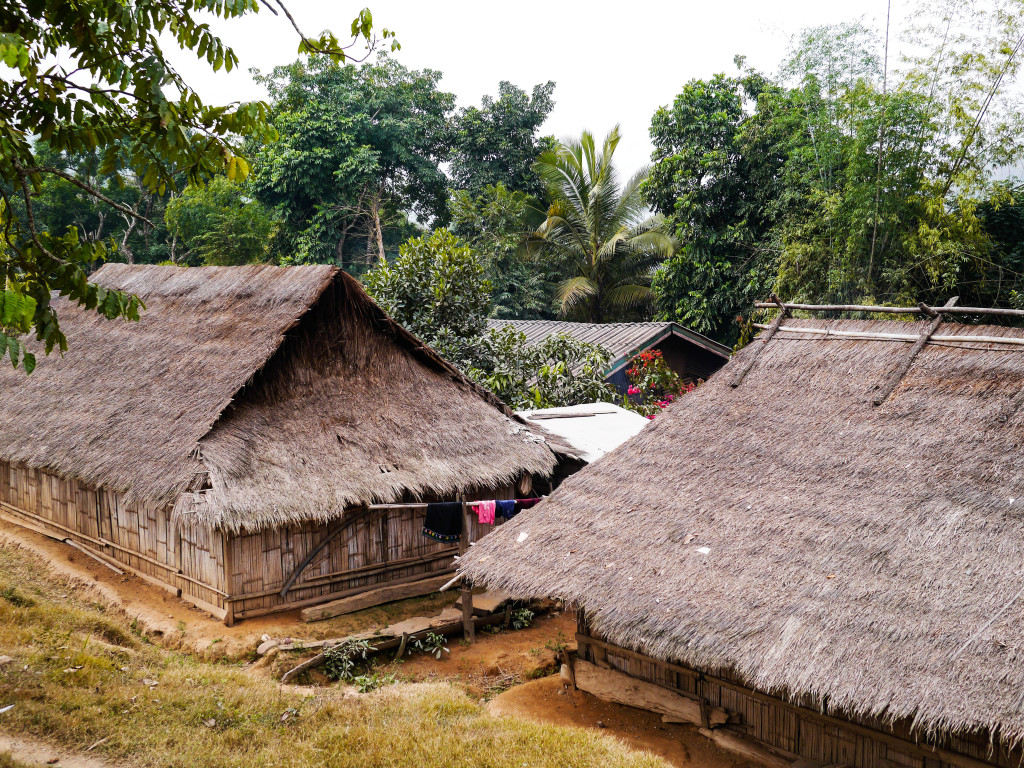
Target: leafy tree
[(360, 148), (436, 288), (598, 233), (845, 181), (702, 181), (220, 224), (498, 143), (495, 224), (559, 371), (91, 76)]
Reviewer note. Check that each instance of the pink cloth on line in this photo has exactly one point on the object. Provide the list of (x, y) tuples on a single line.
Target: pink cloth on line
[(484, 511)]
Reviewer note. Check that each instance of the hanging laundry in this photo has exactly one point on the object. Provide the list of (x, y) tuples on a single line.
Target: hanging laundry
[(484, 511), (506, 509), (522, 504), (443, 521)]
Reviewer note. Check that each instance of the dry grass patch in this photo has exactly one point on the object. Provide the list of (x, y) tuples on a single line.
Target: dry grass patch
[(80, 674)]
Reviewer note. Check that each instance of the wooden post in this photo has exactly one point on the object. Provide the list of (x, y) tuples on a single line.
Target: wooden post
[(229, 568), (464, 539), (177, 559), (763, 339), (468, 627)]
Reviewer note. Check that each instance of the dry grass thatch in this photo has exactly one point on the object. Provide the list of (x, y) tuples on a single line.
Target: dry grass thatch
[(286, 394), (865, 559)]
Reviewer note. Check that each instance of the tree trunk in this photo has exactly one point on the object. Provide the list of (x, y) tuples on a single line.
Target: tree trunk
[(377, 230)]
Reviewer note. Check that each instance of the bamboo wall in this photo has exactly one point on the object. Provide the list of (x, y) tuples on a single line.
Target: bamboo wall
[(372, 549), (139, 537), (799, 732)]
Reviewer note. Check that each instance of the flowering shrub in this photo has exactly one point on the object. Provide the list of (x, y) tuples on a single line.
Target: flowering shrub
[(652, 384)]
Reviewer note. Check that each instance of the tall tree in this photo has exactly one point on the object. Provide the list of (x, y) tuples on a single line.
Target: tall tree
[(598, 234), (91, 76), (497, 143), (495, 224), (360, 150)]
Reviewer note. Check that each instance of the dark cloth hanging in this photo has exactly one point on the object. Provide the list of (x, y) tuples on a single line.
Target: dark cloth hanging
[(444, 521), (522, 504), (506, 508)]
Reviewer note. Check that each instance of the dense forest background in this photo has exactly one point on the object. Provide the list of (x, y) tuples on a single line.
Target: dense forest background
[(844, 176)]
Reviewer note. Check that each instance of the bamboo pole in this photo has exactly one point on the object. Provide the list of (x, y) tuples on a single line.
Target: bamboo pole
[(947, 310), (926, 334), (763, 339), (877, 336)]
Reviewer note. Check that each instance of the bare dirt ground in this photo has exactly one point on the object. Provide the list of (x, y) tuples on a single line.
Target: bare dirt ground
[(33, 752), (549, 700)]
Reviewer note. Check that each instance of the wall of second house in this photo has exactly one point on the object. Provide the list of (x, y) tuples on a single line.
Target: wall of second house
[(790, 731), (139, 536), (369, 549)]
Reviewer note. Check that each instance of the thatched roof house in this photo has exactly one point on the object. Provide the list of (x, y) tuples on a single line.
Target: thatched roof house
[(690, 355), (838, 581), (249, 408)]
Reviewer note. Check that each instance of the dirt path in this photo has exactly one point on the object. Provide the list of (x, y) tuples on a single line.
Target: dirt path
[(549, 700), (33, 752)]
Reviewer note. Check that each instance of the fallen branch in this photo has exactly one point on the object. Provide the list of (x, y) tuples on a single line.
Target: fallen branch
[(451, 628)]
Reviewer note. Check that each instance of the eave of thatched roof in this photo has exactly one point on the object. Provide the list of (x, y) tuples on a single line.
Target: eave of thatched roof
[(157, 409), (866, 558)]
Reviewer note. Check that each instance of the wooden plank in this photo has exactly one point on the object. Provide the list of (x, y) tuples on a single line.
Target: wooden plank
[(620, 688), (372, 597)]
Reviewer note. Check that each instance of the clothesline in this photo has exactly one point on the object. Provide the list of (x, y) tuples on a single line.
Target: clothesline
[(425, 504), (445, 521)]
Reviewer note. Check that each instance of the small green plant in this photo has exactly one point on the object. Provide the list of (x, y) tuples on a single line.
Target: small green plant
[(559, 644), (367, 683), (343, 660), (522, 618), (433, 643), (15, 598)]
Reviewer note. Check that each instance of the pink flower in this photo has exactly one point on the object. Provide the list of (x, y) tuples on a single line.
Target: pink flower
[(633, 391), (650, 416)]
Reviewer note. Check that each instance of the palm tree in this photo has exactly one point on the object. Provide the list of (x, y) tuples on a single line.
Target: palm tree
[(602, 236)]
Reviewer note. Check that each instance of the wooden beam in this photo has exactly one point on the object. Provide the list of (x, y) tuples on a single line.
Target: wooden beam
[(897, 376), (468, 628), (620, 688), (399, 589), (229, 573), (763, 339)]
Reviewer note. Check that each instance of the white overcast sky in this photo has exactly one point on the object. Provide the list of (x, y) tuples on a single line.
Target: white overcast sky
[(612, 62)]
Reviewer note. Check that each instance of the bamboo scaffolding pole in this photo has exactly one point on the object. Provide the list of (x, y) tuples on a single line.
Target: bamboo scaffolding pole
[(949, 310), (909, 337)]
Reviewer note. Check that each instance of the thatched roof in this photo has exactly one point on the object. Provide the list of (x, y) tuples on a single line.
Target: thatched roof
[(276, 395), (870, 559)]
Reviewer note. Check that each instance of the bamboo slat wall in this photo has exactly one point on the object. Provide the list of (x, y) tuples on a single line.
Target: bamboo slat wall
[(372, 548), (138, 536), (794, 732)]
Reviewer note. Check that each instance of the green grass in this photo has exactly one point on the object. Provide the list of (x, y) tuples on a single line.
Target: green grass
[(78, 676)]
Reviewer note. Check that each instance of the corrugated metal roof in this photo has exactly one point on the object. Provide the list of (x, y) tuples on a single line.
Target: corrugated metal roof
[(621, 339), (594, 429)]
